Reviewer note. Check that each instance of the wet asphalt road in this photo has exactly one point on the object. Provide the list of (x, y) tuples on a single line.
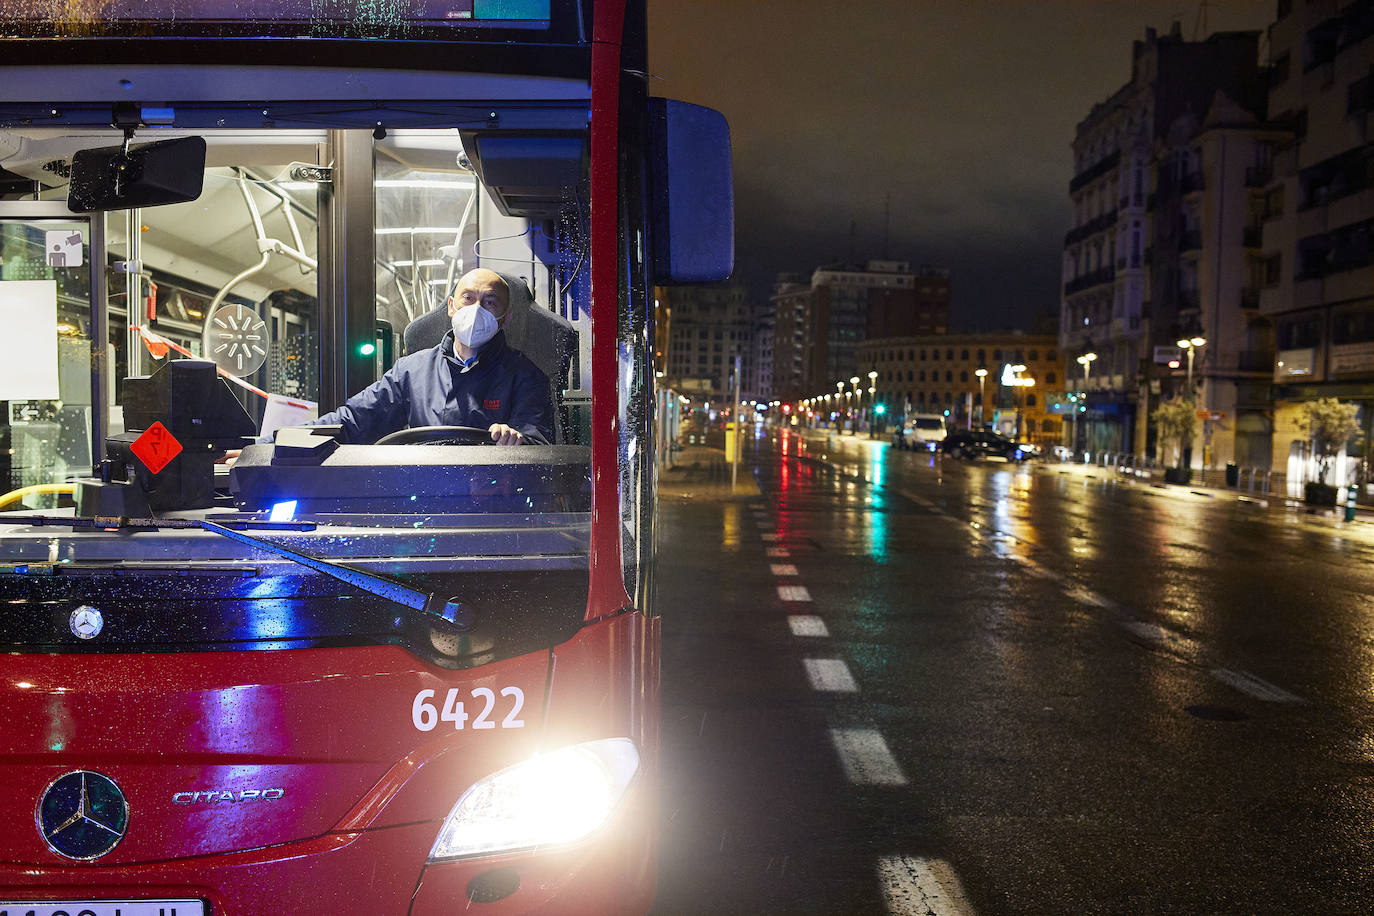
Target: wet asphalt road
[(975, 688)]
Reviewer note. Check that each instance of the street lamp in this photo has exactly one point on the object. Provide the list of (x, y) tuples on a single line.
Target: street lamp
[(1085, 361), (1191, 344), (858, 404), (872, 402), (982, 398)]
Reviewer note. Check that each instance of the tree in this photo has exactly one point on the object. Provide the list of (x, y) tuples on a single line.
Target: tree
[(1329, 424), (1175, 419)]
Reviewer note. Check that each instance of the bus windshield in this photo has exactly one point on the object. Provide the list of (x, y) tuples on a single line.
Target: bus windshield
[(188, 362)]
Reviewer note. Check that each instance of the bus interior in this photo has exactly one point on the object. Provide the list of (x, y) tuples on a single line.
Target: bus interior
[(216, 316)]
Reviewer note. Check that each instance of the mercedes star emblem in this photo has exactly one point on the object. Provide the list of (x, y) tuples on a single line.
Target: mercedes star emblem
[(82, 815), (87, 622)]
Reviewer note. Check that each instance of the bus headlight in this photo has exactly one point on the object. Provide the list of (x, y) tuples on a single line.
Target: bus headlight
[(555, 798)]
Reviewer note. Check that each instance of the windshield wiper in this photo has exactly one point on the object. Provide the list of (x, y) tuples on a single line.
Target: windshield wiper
[(449, 610)]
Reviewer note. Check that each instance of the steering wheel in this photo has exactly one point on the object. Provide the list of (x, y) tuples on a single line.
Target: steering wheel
[(438, 435)]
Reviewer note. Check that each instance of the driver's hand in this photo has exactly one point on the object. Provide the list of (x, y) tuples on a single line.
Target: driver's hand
[(502, 434), (230, 457)]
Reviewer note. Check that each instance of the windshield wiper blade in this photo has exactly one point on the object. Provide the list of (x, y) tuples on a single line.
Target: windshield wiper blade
[(110, 523), (449, 610)]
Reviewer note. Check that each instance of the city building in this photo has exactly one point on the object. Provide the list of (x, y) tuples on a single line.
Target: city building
[(791, 308), (1132, 258), (939, 374), (707, 327), (1317, 279), (847, 302)]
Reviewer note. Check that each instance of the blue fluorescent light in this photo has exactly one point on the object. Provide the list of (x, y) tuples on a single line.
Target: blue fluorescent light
[(283, 512)]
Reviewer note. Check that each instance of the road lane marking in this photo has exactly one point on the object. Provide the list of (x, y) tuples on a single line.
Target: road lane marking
[(793, 593), (807, 625), (783, 569), (1256, 687), (1156, 634), (829, 675), (770, 536), (1088, 596), (778, 552), (866, 758), (915, 886)]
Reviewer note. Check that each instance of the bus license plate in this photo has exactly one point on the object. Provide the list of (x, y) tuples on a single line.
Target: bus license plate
[(103, 908)]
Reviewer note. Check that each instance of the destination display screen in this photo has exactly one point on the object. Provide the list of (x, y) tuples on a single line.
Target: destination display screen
[(557, 20)]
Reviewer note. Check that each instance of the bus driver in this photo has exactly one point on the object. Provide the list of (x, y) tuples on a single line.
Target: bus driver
[(471, 378)]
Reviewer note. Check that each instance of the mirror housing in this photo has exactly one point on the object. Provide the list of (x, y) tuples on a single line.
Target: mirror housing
[(150, 175), (693, 228)]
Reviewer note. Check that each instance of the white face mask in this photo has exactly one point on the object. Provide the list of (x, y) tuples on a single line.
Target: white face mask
[(474, 326)]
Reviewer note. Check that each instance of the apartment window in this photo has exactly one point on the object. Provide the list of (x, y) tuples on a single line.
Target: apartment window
[(1050, 378), (963, 354), (1278, 72), (949, 376), (1052, 356), (963, 376), (922, 375), (908, 376), (1035, 356), (1273, 269), (949, 355), (923, 356), (1300, 334), (1030, 400), (982, 357), (997, 356)]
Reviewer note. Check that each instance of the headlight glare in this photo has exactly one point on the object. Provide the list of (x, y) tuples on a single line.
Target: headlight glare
[(554, 798)]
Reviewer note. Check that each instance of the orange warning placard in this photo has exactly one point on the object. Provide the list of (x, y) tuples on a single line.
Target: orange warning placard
[(156, 447)]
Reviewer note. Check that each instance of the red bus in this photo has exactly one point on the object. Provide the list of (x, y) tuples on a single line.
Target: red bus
[(411, 675)]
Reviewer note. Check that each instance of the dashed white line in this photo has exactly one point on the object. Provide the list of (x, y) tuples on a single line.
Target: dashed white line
[(915, 886), (770, 536), (778, 552), (782, 569), (1256, 687), (866, 758), (793, 593), (829, 675), (1087, 596), (807, 625), (1152, 633)]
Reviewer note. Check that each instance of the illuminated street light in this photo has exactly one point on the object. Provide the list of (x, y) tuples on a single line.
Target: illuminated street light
[(1190, 344), (982, 397)]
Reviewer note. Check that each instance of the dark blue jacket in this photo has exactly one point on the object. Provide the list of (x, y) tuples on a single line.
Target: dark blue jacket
[(429, 388)]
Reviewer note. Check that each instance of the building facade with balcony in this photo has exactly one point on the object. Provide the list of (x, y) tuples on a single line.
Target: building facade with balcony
[(791, 308), (939, 374), (1317, 284), (707, 327), (1123, 255), (1206, 267)]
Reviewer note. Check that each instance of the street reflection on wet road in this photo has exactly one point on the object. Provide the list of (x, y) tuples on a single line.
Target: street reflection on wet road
[(1079, 693)]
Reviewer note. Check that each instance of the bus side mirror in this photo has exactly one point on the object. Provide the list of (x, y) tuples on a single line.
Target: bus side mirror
[(693, 211), (149, 175)]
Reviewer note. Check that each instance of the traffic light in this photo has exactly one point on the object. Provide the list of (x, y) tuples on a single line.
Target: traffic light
[(880, 410), (367, 348)]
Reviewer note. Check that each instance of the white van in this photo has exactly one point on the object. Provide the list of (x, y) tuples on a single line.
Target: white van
[(921, 431)]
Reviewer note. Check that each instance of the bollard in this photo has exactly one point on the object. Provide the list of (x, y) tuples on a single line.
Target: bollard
[(1350, 494)]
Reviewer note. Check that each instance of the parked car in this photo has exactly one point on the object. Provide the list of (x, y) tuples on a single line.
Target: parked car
[(981, 444), (921, 431)]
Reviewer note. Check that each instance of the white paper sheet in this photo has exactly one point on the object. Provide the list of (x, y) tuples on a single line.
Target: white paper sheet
[(283, 411), (28, 324)]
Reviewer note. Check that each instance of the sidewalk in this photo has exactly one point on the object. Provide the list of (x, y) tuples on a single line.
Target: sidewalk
[(1271, 502), (702, 473)]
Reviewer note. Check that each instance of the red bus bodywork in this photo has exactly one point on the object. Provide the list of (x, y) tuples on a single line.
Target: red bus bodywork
[(363, 793)]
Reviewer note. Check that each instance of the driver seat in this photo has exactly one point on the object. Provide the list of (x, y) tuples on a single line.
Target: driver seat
[(546, 338)]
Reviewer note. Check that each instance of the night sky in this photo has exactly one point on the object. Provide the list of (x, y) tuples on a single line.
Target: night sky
[(961, 110)]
